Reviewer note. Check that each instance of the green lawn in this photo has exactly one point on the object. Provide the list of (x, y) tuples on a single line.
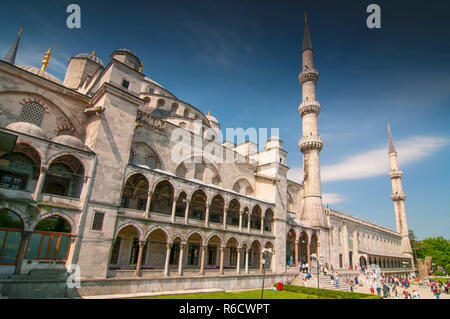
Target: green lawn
[(443, 280), (252, 294)]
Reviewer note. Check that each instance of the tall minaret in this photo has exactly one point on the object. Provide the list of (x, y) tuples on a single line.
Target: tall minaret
[(10, 57), (398, 197), (310, 144)]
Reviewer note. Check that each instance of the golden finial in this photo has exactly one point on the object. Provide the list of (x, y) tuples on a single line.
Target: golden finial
[(140, 69), (93, 53), (306, 20), (46, 59), (20, 32), (209, 114), (389, 129)]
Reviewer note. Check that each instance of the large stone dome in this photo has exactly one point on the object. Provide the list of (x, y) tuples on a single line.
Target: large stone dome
[(90, 57), (27, 128), (37, 71), (69, 141)]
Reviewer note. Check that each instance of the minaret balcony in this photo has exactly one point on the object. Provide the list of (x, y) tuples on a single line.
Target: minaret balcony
[(398, 196), (307, 107), (308, 76), (310, 142), (395, 174)]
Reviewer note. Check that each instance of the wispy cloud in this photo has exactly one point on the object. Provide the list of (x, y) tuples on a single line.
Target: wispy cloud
[(332, 198), (376, 162)]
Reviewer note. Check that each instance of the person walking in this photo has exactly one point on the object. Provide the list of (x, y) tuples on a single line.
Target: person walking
[(336, 280), (378, 288), (415, 294), (436, 292)]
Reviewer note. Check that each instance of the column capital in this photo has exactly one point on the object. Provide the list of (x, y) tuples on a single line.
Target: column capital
[(142, 242), (43, 169), (26, 233)]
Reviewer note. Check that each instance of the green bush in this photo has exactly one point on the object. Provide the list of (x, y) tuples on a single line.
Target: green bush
[(439, 273), (447, 269), (334, 294)]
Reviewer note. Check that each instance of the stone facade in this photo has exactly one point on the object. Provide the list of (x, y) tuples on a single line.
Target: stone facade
[(96, 153)]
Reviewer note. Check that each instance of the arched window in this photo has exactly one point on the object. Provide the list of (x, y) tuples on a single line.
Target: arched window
[(174, 107), (152, 161), (65, 177), (11, 227), (181, 171), (50, 240), (161, 103), (182, 124), (216, 180), (18, 171), (33, 113)]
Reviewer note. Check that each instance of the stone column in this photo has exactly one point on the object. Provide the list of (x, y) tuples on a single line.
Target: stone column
[(186, 212), (202, 260), (139, 260), (345, 231), (246, 260), (261, 265), (238, 263), (26, 234), (308, 251), (174, 207), (248, 222), (355, 249), (262, 224), (180, 261), (240, 220), (296, 253), (40, 184), (224, 217), (147, 205), (207, 216), (222, 249), (166, 265)]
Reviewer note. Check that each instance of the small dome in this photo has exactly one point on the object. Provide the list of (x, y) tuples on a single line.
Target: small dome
[(43, 74), (90, 57), (27, 128), (127, 50), (212, 119), (69, 141)]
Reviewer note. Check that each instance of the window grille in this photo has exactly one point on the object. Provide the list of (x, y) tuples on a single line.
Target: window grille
[(98, 221), (65, 131), (32, 113)]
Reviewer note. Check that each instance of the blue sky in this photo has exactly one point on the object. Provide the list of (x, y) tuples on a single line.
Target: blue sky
[(241, 59)]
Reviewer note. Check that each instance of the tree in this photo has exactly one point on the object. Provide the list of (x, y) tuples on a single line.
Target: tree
[(436, 247)]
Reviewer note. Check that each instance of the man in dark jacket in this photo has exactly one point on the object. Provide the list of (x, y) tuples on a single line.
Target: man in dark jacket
[(385, 290)]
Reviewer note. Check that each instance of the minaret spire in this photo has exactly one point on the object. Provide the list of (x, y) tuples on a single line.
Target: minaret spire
[(311, 143), (306, 37), (391, 142), (398, 197), (10, 57)]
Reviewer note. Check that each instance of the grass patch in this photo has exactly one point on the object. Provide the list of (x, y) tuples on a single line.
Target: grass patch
[(251, 294), (443, 280), (328, 293)]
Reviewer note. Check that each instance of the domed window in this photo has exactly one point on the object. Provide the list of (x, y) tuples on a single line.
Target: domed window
[(152, 161), (32, 113), (65, 131), (181, 171), (216, 180)]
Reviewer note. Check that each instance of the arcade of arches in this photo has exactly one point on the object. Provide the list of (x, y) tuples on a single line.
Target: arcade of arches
[(160, 253), (300, 250), (137, 195)]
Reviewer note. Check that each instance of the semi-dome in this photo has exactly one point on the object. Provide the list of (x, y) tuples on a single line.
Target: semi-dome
[(39, 72), (90, 57), (27, 128), (69, 140)]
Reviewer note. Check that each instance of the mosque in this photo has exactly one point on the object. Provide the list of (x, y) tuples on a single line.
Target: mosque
[(89, 186)]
